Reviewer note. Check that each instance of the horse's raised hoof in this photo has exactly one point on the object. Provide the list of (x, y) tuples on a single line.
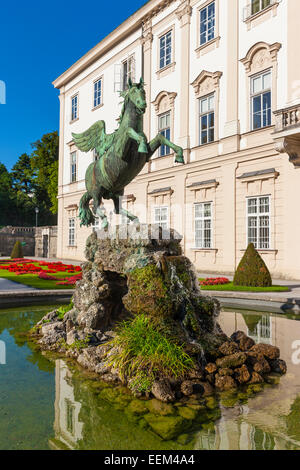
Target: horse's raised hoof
[(143, 148), (179, 159)]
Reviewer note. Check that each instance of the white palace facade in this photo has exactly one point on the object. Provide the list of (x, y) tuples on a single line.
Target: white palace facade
[(223, 82)]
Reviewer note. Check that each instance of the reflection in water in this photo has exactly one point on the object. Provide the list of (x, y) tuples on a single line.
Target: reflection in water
[(266, 421)]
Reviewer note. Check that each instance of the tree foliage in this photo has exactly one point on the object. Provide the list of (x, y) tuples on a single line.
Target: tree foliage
[(252, 270), (32, 183), (17, 251)]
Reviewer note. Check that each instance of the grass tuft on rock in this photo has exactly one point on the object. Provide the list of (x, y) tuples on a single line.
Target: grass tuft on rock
[(144, 353), (252, 270), (17, 251)]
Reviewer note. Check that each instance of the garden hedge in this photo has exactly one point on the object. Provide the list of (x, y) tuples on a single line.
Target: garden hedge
[(252, 270), (17, 251)]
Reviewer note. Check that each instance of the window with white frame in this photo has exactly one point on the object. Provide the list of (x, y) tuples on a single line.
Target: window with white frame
[(96, 224), (165, 50), (74, 108), (164, 128), (261, 100), (128, 71), (95, 155), (207, 23), (206, 119), (203, 225), (258, 5), (72, 231), (98, 93), (161, 216), (258, 221), (73, 167)]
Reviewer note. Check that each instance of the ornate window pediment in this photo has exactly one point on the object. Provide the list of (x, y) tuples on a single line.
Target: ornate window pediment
[(164, 101), (206, 82), (261, 56)]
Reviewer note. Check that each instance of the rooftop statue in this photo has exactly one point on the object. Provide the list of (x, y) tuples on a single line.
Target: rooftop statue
[(122, 156)]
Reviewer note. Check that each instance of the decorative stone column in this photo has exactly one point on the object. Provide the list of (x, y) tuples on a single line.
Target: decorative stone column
[(60, 172), (183, 13), (146, 41)]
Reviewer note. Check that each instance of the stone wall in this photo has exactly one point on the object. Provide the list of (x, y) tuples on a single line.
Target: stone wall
[(9, 236), (46, 242)]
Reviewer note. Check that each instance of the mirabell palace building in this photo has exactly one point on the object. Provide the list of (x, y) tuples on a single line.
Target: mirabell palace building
[(223, 82)]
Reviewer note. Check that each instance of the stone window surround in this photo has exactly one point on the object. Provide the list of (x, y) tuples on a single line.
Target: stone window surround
[(73, 150), (260, 58), (270, 197), (102, 89), (212, 231), (71, 98), (170, 67), (261, 15), (164, 103), (205, 84), (213, 43)]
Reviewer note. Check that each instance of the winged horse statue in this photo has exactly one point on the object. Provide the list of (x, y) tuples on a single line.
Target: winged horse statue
[(122, 156)]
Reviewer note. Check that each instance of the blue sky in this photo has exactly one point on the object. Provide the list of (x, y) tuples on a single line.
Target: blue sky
[(38, 41)]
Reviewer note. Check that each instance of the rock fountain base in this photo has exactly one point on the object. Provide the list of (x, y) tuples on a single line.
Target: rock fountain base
[(170, 344)]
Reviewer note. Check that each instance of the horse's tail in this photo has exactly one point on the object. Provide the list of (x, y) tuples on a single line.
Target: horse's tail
[(85, 214)]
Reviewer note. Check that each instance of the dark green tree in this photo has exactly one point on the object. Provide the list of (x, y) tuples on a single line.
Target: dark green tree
[(252, 270), (22, 175), (6, 196)]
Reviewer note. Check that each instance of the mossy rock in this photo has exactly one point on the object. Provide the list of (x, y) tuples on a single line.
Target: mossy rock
[(187, 413), (160, 408), (167, 427), (137, 407), (252, 270), (17, 251), (148, 293)]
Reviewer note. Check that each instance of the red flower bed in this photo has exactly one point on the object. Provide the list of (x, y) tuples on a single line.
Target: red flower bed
[(71, 281), (214, 281), (42, 268)]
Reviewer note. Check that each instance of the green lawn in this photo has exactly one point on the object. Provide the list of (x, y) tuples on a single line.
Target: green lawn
[(231, 287), (33, 280)]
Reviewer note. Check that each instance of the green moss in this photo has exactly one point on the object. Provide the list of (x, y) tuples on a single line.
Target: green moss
[(187, 413), (61, 311), (167, 427), (137, 407)]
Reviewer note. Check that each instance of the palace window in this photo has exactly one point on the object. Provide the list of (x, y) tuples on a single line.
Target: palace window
[(98, 93), (258, 5), (207, 23), (206, 119), (165, 130), (74, 110), (128, 71), (73, 167), (203, 225), (72, 231), (258, 221), (261, 100), (161, 216), (165, 50)]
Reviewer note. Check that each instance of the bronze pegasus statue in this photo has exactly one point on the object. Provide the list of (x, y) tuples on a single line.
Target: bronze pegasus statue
[(122, 156)]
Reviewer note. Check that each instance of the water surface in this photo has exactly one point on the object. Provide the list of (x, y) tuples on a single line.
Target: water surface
[(49, 403)]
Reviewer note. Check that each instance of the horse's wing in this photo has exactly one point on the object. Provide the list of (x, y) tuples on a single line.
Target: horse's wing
[(93, 138)]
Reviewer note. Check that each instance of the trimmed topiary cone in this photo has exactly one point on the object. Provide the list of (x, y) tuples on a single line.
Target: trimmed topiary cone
[(252, 270), (17, 251)]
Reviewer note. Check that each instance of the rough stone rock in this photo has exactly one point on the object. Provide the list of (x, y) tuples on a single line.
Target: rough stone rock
[(225, 371), (270, 352), (49, 317), (242, 374), (92, 318), (189, 387), (228, 348), (69, 325), (244, 342), (52, 338), (162, 391), (210, 378), (224, 383), (91, 357), (50, 328), (278, 365), (72, 336), (261, 365), (207, 389), (234, 360), (211, 368), (256, 378), (196, 373)]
